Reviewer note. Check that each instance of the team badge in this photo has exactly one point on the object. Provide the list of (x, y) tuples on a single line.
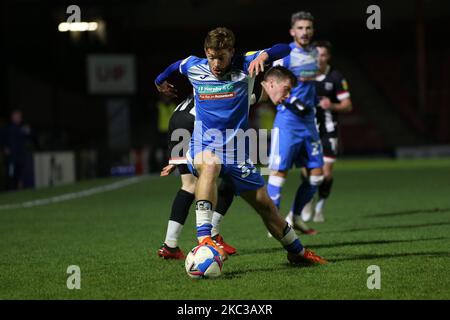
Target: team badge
[(328, 86), (344, 84)]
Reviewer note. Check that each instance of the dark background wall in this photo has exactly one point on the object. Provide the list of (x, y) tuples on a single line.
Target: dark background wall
[(44, 71)]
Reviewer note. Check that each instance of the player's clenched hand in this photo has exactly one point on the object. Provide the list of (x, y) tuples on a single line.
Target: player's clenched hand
[(167, 89), (257, 65), (167, 170), (325, 103)]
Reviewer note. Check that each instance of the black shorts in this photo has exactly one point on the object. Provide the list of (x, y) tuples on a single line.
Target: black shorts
[(183, 169), (181, 126), (330, 146)]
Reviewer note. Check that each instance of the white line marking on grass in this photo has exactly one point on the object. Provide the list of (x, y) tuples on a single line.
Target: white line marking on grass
[(73, 195)]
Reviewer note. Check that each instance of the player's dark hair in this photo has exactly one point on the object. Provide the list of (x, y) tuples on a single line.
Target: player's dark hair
[(281, 73), (302, 15), (219, 38), (323, 44)]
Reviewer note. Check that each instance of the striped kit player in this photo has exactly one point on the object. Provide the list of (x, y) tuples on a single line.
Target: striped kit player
[(333, 86), (332, 90), (181, 126)]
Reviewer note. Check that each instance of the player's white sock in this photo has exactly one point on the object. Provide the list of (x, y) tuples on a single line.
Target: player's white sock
[(274, 187), (204, 213), (173, 233), (318, 216), (290, 218), (291, 242), (320, 204), (307, 211), (296, 222), (216, 219)]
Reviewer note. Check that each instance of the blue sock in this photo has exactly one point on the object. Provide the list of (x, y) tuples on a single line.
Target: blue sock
[(305, 193), (290, 241), (274, 187), (204, 230)]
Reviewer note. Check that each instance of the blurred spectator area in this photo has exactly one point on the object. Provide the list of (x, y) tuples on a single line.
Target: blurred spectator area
[(395, 78), (44, 71)]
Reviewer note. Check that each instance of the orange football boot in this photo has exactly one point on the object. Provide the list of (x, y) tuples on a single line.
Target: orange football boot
[(309, 257), (225, 246)]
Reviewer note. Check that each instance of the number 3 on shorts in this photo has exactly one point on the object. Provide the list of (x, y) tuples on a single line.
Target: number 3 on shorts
[(246, 167)]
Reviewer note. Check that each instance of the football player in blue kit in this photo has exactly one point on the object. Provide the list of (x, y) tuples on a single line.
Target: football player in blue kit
[(181, 126), (295, 138), (222, 87)]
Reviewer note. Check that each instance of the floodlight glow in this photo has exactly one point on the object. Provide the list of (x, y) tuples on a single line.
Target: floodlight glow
[(92, 26), (63, 27), (77, 26)]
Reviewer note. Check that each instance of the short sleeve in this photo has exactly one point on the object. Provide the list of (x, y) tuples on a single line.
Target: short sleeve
[(249, 57), (341, 85), (185, 65)]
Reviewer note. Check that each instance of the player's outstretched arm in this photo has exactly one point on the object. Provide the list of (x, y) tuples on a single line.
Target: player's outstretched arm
[(162, 85), (277, 52), (167, 89), (344, 106), (167, 170), (257, 65)]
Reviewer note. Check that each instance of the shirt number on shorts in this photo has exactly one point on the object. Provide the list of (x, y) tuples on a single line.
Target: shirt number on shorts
[(315, 148), (333, 144), (247, 168)]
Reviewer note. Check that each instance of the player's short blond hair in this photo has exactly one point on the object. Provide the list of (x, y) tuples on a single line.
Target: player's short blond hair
[(219, 38)]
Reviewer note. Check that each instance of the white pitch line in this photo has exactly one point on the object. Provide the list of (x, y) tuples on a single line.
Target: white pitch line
[(73, 195)]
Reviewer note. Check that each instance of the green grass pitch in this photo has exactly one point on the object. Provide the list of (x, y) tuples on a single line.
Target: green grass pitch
[(393, 214)]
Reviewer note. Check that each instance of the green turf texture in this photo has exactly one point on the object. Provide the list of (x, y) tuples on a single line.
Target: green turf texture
[(393, 214)]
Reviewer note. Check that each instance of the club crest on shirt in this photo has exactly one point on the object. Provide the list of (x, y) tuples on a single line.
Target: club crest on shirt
[(344, 85), (328, 86)]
